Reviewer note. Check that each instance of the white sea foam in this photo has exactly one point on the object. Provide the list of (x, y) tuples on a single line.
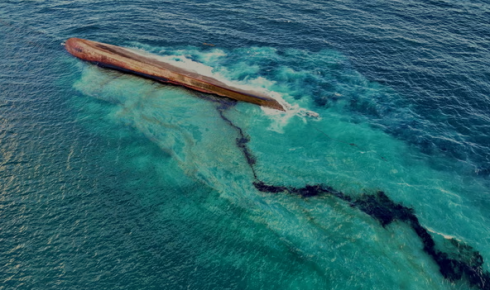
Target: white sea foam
[(259, 85), (447, 237)]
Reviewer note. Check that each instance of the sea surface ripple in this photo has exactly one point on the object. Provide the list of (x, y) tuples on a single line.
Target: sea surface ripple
[(109, 181)]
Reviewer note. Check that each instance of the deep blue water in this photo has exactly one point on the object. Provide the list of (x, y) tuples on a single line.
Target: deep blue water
[(109, 181)]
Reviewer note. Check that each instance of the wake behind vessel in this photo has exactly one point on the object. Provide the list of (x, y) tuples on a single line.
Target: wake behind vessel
[(126, 60)]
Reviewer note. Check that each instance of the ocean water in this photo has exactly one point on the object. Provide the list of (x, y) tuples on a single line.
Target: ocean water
[(110, 181)]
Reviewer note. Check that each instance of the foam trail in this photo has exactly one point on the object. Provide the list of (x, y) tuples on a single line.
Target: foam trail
[(258, 84)]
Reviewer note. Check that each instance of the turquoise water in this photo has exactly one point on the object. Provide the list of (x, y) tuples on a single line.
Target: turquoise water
[(113, 181)]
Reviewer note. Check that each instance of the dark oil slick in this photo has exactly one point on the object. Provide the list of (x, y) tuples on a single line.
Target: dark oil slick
[(468, 265)]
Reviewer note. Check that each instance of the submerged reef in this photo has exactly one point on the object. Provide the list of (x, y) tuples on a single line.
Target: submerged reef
[(463, 263)]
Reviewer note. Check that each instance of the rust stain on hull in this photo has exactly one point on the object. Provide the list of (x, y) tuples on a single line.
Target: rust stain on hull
[(123, 59)]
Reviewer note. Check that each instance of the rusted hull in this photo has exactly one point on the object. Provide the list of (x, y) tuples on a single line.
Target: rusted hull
[(119, 58)]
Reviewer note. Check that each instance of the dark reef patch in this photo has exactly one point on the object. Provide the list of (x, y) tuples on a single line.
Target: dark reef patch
[(465, 262)]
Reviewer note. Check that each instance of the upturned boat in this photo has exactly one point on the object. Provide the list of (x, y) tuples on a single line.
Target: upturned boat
[(129, 61)]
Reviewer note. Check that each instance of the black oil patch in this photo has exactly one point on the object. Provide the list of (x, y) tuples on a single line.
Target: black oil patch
[(242, 140), (462, 263)]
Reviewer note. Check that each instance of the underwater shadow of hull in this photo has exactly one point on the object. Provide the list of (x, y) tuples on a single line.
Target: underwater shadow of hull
[(122, 59)]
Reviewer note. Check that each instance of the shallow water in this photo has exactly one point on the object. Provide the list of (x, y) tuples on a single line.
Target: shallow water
[(112, 181)]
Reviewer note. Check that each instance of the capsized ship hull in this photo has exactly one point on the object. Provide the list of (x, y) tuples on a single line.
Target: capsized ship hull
[(123, 59)]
